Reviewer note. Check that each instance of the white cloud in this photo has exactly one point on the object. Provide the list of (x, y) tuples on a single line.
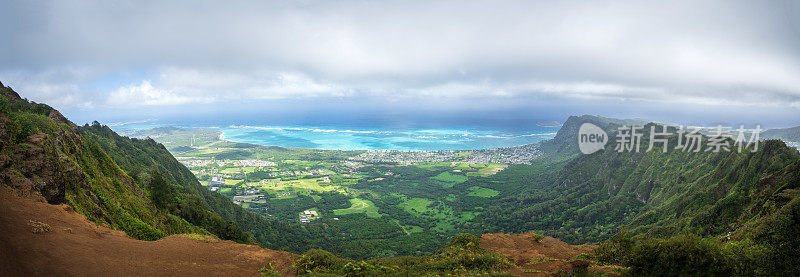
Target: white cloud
[(145, 94), (176, 86), (58, 88), (740, 52)]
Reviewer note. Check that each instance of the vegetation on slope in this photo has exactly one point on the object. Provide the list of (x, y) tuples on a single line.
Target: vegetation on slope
[(150, 163), (740, 206), (462, 256), (128, 184), (44, 154)]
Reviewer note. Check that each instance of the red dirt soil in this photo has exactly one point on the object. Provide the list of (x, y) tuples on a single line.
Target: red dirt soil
[(551, 254), (75, 246)]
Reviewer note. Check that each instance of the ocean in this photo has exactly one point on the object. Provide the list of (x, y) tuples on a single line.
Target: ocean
[(383, 139), (361, 130), (348, 138)]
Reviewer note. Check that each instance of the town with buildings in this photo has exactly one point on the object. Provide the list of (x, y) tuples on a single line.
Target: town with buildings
[(511, 155)]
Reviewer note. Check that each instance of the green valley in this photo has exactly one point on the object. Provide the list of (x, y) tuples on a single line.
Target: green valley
[(427, 197), (737, 209)]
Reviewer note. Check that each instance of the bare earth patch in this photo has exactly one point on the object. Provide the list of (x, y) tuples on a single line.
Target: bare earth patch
[(545, 257), (74, 246)]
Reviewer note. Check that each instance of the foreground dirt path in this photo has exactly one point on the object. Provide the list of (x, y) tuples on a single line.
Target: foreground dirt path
[(75, 246)]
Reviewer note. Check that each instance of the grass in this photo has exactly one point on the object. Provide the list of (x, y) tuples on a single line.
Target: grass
[(449, 179), (358, 205), (482, 192), (246, 169), (467, 216), (232, 182), (231, 170), (408, 229), (539, 260), (413, 229), (299, 162), (209, 151), (486, 170), (432, 166), (419, 205), (200, 237), (444, 226), (38, 227), (314, 184)]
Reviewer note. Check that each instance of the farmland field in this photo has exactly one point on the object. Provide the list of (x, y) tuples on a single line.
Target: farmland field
[(419, 205), (449, 179), (359, 206)]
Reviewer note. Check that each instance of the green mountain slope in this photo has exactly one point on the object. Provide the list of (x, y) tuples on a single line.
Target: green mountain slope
[(746, 198), (132, 185), (171, 187), (139, 158), (45, 154), (591, 196)]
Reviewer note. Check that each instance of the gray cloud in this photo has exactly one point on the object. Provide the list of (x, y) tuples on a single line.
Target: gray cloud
[(728, 52)]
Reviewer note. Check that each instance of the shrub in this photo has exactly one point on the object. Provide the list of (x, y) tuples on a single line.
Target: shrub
[(363, 268), (464, 253), (269, 270), (5, 105), (38, 227), (316, 260), (616, 249), (680, 255), (200, 237), (21, 127), (136, 228)]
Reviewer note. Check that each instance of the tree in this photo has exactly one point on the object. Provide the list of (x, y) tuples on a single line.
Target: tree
[(161, 192)]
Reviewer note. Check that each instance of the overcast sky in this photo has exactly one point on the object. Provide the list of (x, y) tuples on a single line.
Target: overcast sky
[(90, 56)]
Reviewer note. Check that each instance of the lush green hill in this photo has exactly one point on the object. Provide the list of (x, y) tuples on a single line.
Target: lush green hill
[(747, 198), (45, 154), (654, 191), (129, 184), (141, 158)]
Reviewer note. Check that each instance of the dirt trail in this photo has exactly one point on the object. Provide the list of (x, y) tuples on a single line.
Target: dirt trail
[(75, 246)]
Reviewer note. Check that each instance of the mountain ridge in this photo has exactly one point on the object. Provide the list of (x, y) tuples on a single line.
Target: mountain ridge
[(44, 154)]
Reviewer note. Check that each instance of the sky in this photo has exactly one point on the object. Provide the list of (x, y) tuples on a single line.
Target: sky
[(679, 61)]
